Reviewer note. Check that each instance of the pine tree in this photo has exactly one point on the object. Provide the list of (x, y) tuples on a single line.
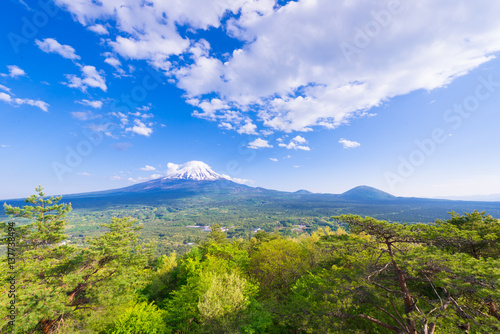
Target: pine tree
[(60, 284)]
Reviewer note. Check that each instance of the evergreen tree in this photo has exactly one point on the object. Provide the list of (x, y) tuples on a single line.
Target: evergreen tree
[(59, 285)]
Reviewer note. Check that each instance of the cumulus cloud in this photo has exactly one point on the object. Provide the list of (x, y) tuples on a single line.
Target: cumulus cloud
[(172, 168), (50, 45), (348, 143), (18, 101), (295, 144), (90, 78), (140, 128), (99, 29), (147, 168), (5, 97), (115, 62), (249, 128), (158, 37), (306, 63), (259, 143), (323, 75), (14, 72), (93, 104), (273, 159)]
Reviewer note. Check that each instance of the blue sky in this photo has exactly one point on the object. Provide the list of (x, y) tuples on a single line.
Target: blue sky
[(311, 94)]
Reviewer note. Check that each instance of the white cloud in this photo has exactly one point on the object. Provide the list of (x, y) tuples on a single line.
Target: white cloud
[(115, 62), (299, 139), (123, 118), (105, 128), (84, 174), (151, 28), (307, 63), (35, 103), (14, 71), (5, 97), (147, 168), (50, 45), (140, 128), (25, 5), (90, 78), (17, 102), (172, 168), (292, 65), (249, 128), (138, 114), (273, 159), (4, 146), (237, 180), (144, 108), (82, 115), (348, 143), (294, 144), (93, 104), (4, 88), (99, 29), (143, 179), (137, 180), (259, 143)]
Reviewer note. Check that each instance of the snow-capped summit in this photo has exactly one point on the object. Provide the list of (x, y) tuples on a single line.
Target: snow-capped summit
[(193, 170)]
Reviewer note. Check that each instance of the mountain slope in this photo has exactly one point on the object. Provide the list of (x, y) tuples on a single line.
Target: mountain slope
[(195, 170), (365, 193)]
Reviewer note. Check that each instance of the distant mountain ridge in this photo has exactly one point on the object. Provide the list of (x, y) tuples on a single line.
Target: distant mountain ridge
[(366, 193), (196, 181), (196, 185)]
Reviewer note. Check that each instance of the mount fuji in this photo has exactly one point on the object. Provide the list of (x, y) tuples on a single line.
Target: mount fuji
[(194, 170), (196, 185), (186, 180)]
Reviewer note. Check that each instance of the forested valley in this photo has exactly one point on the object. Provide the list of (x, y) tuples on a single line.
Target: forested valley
[(363, 276)]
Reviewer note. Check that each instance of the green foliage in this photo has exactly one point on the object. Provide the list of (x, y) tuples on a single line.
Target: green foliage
[(476, 234), (47, 221), (215, 298), (381, 277), (277, 264), (140, 318), (59, 285)]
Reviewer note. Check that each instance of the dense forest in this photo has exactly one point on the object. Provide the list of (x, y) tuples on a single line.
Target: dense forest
[(372, 276)]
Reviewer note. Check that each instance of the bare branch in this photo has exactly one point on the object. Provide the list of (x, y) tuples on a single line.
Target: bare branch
[(387, 289), (378, 322), (380, 270), (399, 314), (392, 316)]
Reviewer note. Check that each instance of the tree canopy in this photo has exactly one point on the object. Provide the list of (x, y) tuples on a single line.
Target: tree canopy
[(373, 277)]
